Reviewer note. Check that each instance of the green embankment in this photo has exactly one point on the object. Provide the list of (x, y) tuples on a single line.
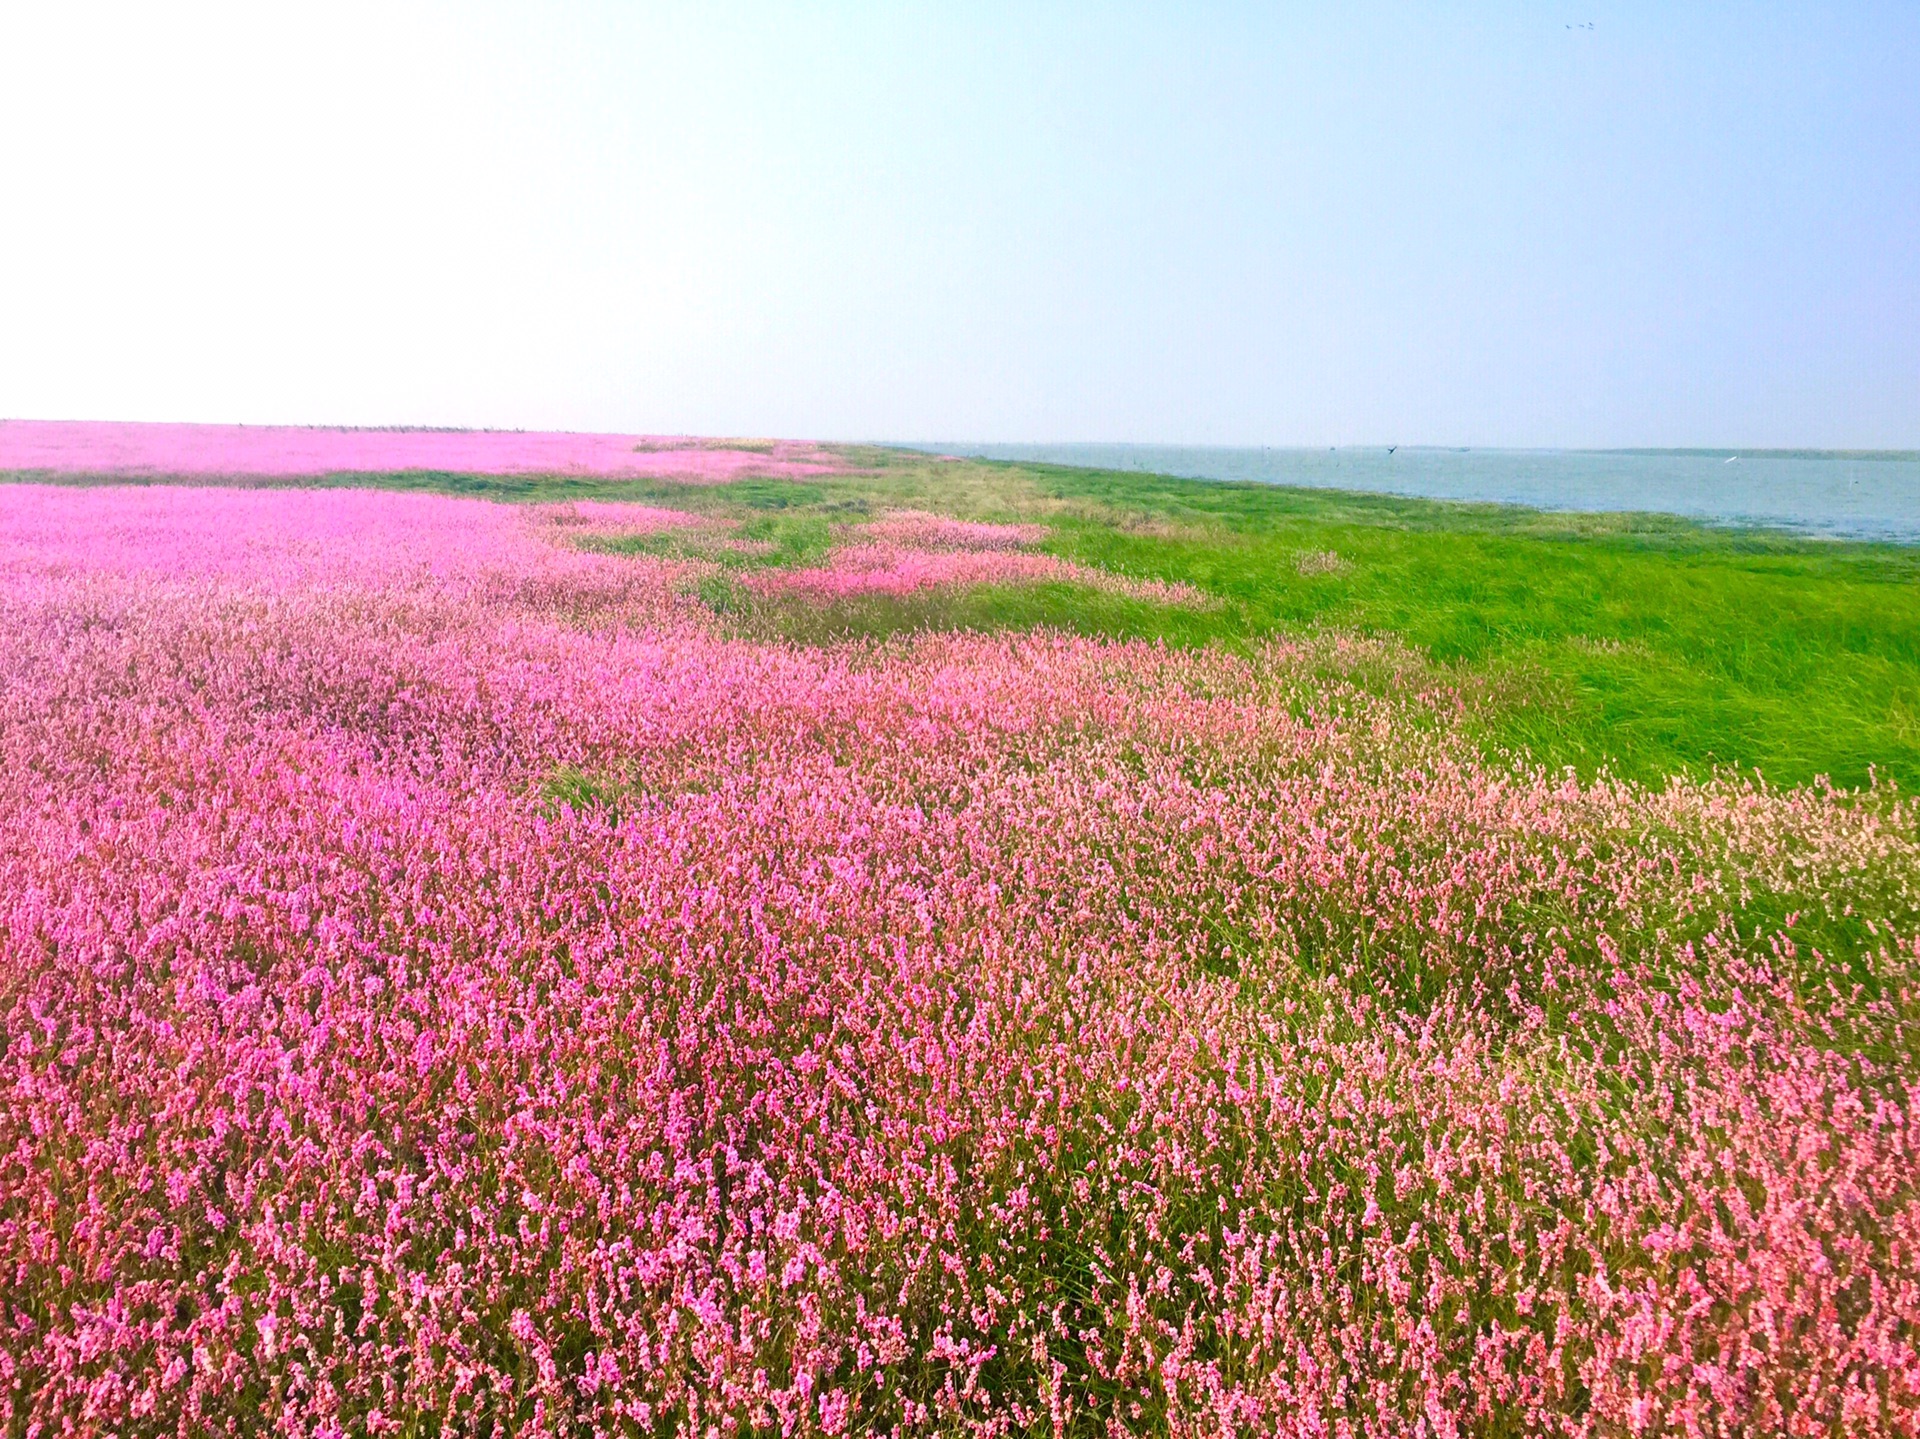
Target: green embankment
[(1639, 642)]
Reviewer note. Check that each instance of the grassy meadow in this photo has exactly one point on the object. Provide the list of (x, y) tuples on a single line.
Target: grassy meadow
[(949, 948), (1644, 644)]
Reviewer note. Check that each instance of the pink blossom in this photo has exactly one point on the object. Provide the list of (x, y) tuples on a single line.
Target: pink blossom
[(885, 568), (66, 447), (977, 1034), (917, 530)]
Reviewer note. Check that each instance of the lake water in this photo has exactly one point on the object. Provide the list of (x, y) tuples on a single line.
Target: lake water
[(1856, 496)]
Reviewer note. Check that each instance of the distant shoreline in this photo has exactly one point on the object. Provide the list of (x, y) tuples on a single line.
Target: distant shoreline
[(1675, 451), (1906, 456), (1871, 495)]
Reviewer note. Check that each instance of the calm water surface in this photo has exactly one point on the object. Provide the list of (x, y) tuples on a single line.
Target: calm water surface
[(1844, 495)]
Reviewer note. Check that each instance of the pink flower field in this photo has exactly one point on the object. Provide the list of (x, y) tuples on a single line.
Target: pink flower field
[(448, 985), (892, 569), (288, 451)]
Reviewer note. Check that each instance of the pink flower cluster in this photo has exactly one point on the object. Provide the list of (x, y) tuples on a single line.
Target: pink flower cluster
[(446, 988), (884, 568), (616, 518), (907, 551), (923, 531), (69, 447)]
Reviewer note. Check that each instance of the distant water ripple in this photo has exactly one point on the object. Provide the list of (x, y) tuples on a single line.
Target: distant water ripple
[(1846, 495)]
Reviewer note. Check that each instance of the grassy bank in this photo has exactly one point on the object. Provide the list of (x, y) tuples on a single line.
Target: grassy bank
[(1643, 643)]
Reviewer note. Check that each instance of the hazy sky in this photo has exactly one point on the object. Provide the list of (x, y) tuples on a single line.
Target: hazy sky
[(1182, 223)]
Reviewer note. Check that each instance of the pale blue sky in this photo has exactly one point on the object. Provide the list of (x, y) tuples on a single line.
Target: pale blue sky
[(1200, 224)]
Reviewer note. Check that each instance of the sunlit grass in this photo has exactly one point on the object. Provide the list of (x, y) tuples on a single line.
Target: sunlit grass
[(1642, 643)]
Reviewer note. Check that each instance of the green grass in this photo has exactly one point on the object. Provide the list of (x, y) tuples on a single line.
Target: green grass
[(1647, 643), (1643, 643)]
